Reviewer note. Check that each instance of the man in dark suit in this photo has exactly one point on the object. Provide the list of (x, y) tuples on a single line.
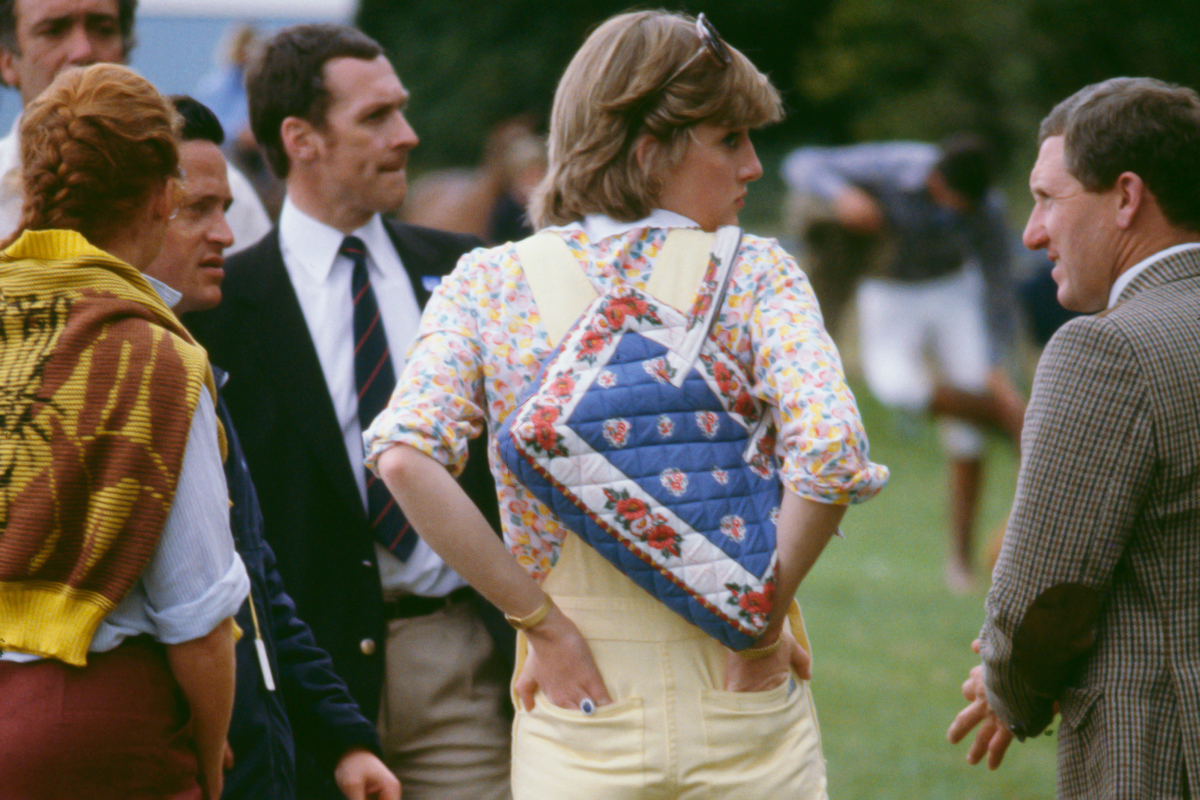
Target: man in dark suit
[(312, 331), (289, 700), (1094, 605)]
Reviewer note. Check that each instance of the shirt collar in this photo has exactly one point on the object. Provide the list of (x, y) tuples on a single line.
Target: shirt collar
[(1126, 277), (169, 296), (602, 226), (315, 245)]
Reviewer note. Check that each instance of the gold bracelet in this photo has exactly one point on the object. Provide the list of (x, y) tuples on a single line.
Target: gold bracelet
[(539, 614), (759, 653)]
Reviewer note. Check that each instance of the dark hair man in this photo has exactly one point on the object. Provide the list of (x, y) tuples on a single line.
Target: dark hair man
[(313, 328), (289, 702), (922, 226), (1093, 605)]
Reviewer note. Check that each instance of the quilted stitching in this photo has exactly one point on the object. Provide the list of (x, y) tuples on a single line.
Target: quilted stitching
[(674, 485)]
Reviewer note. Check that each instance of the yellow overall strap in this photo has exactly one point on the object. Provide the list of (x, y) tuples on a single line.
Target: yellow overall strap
[(562, 291), (556, 279)]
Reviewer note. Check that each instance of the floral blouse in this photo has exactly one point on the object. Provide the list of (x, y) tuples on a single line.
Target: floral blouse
[(482, 341)]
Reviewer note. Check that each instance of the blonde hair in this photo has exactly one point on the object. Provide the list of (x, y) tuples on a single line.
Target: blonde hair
[(618, 87), (94, 146)]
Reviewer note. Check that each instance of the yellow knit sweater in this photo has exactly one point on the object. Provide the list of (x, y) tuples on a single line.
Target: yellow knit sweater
[(98, 384)]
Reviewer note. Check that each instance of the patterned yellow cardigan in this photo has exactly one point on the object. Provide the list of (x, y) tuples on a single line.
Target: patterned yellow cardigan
[(98, 384)]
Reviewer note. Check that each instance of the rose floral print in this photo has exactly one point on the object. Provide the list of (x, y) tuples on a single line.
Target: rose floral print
[(482, 342)]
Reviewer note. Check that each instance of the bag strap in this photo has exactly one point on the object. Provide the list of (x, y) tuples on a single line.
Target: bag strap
[(720, 250)]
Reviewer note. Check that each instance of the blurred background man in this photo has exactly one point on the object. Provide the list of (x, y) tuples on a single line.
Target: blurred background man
[(926, 244)]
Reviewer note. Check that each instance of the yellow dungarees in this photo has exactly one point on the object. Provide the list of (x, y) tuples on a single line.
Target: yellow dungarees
[(671, 731)]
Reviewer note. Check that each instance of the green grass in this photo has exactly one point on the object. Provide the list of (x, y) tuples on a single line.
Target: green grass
[(891, 643)]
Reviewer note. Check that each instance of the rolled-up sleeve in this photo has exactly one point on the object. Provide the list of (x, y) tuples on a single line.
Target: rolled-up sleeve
[(195, 578), (823, 447), (437, 407)]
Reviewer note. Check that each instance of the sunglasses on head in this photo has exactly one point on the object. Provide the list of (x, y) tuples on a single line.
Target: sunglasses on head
[(711, 43)]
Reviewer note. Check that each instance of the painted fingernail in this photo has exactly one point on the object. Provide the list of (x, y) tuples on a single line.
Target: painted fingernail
[(587, 706)]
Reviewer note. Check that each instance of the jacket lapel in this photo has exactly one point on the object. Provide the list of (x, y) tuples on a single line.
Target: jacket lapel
[(291, 370), (418, 260)]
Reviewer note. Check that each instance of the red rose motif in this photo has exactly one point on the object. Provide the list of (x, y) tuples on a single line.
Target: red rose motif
[(546, 437), (616, 311), (616, 431), (756, 603), (744, 404), (723, 376), (592, 342), (661, 537), (614, 314), (562, 386), (637, 306), (631, 508), (544, 415)]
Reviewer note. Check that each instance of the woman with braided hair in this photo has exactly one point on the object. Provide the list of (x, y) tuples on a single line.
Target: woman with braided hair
[(118, 577)]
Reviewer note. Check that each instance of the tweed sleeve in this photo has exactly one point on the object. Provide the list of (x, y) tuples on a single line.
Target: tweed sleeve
[(1088, 463)]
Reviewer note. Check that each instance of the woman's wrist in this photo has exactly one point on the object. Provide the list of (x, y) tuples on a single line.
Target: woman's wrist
[(761, 650), (534, 618)]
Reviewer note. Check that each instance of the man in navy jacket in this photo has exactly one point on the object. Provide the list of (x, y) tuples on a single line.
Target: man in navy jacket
[(290, 704)]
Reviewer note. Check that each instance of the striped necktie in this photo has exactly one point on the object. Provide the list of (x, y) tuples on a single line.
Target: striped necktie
[(375, 379)]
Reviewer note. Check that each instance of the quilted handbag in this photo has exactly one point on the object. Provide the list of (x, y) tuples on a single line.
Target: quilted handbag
[(642, 435)]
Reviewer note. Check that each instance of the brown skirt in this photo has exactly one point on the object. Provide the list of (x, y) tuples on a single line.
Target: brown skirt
[(118, 728)]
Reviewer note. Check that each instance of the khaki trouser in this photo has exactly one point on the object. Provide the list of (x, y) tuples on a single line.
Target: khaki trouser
[(440, 722), (671, 732)]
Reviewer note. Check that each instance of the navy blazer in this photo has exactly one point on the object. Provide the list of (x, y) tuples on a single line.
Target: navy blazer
[(314, 516), (310, 708)]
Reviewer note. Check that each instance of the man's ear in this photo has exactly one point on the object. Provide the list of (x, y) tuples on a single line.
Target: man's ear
[(167, 201), (300, 139), (1131, 195), (8, 68)]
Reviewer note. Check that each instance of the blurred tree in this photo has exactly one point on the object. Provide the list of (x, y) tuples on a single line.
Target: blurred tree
[(891, 69), (469, 65), (850, 70), (885, 69)]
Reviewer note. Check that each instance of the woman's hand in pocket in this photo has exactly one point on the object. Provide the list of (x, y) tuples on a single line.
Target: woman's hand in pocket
[(759, 675), (560, 663)]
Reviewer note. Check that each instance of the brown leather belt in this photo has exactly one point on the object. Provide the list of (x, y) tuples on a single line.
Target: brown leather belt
[(413, 605)]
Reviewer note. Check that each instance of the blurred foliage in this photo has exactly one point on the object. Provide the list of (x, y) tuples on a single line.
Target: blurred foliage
[(850, 70), (882, 69), (469, 65)]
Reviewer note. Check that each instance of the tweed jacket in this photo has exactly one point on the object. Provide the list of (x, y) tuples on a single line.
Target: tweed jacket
[(1095, 601)]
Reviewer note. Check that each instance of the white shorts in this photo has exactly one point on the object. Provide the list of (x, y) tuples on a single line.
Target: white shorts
[(914, 335)]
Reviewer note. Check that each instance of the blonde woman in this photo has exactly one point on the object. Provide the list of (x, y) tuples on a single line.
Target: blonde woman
[(619, 697)]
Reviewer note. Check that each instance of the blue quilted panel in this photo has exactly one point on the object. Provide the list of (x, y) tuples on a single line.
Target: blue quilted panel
[(682, 451)]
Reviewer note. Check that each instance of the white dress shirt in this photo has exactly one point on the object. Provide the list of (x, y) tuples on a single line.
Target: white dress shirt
[(601, 226), (11, 195), (321, 278)]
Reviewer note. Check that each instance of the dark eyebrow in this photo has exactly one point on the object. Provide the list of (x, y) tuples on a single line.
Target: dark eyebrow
[(91, 18)]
